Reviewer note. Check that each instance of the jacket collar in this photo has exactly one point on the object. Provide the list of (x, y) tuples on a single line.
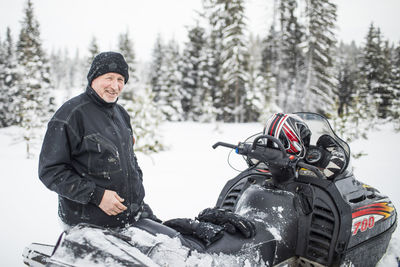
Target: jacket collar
[(97, 99)]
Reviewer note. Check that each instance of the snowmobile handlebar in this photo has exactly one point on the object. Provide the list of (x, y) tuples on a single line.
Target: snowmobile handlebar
[(257, 149), (271, 138), (260, 151)]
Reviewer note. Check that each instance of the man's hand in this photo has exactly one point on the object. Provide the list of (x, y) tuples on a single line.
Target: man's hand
[(111, 203)]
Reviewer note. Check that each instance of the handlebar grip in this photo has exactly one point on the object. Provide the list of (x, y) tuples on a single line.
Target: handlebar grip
[(224, 144)]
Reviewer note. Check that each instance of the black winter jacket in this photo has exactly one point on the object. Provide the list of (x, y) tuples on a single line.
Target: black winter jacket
[(88, 148)]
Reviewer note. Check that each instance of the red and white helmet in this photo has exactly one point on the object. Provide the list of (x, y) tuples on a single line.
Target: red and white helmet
[(291, 130)]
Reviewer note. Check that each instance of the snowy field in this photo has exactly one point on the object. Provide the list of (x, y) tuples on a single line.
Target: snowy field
[(179, 182)]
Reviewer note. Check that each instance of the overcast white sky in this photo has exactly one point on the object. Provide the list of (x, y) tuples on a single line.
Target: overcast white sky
[(72, 23)]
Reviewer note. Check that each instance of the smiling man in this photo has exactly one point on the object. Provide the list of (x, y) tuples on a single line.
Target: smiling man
[(87, 156)]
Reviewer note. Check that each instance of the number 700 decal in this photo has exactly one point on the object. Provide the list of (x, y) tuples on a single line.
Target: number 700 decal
[(365, 217), (363, 224)]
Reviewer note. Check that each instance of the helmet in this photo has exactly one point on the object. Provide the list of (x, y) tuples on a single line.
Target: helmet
[(291, 130)]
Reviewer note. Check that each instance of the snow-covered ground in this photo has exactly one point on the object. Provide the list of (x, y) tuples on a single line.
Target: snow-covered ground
[(179, 182)]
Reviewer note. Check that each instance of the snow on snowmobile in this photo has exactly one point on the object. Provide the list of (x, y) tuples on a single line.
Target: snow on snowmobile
[(301, 217)]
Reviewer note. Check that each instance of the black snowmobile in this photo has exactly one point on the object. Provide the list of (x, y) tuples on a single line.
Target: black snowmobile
[(301, 218)]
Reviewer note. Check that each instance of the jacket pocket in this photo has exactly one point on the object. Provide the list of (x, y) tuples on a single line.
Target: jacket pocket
[(103, 157)]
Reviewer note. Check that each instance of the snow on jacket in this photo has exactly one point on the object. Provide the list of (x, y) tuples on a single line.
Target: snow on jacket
[(88, 148)]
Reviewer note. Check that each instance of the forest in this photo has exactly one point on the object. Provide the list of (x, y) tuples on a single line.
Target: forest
[(221, 73)]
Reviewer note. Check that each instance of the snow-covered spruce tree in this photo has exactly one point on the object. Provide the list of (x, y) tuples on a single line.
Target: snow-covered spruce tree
[(373, 92), (197, 104), (147, 122), (255, 98), (269, 70), (77, 74), (69, 69), (190, 69), (234, 58), (206, 111), (3, 92), (169, 97), (291, 70), (8, 82), (35, 93), (387, 91), (57, 67), (126, 48), (320, 42), (146, 118), (349, 121), (396, 87), (93, 50), (347, 77), (213, 12), (209, 83), (138, 102), (60, 63), (155, 67)]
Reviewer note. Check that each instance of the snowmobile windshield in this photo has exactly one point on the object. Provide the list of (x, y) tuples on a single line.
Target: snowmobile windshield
[(319, 126)]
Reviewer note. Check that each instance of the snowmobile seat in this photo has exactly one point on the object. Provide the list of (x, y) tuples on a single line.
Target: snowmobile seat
[(234, 244), (155, 228)]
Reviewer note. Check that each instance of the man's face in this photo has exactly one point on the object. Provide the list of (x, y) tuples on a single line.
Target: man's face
[(109, 86)]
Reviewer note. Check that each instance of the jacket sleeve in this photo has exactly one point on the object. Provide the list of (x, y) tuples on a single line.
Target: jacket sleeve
[(55, 169)]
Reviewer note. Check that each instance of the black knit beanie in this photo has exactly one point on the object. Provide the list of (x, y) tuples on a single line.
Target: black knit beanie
[(108, 62)]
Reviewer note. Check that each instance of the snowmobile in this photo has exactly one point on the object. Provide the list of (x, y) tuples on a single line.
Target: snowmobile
[(301, 218)]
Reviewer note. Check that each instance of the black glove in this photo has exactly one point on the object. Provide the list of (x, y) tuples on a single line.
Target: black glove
[(147, 212), (229, 220), (206, 232)]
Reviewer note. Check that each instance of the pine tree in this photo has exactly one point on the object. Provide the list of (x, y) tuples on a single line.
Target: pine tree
[(349, 120), (321, 16), (145, 119), (213, 12), (69, 70), (35, 102), (386, 90), (125, 47), (77, 74), (155, 67), (9, 76), (93, 51), (138, 102), (291, 59), (347, 77), (170, 83), (3, 92), (255, 98), (396, 87), (234, 60), (192, 74), (375, 79), (269, 71), (58, 68)]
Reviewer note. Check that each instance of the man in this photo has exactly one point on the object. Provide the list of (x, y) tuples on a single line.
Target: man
[(87, 156)]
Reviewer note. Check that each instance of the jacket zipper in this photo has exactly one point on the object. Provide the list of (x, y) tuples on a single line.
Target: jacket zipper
[(125, 155)]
